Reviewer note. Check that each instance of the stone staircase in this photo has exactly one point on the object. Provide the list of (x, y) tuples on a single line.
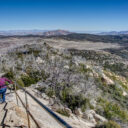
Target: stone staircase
[(11, 115), (14, 116)]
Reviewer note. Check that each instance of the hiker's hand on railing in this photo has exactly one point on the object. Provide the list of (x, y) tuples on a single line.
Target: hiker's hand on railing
[(11, 86)]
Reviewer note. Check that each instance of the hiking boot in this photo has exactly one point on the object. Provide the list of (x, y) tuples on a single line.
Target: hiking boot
[(2, 102)]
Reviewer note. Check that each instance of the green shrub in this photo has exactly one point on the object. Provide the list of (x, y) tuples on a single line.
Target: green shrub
[(116, 67), (64, 93), (20, 82), (109, 124), (41, 89), (19, 54), (9, 75), (113, 77), (35, 75), (113, 91), (74, 101), (44, 75), (35, 52), (110, 110), (50, 92), (63, 112), (83, 69), (27, 80), (123, 85)]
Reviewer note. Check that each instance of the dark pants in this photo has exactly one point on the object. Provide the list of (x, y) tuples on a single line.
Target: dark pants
[(2, 93)]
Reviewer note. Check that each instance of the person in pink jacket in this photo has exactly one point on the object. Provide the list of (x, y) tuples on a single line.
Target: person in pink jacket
[(3, 87)]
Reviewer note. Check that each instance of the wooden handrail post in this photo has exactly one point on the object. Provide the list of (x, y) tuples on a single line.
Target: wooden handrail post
[(16, 95), (60, 120), (28, 112), (27, 108)]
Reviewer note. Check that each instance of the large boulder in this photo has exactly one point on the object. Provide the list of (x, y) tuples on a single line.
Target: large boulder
[(68, 111), (51, 101), (56, 106), (78, 112), (16, 117), (106, 79), (39, 60), (124, 93), (93, 117), (44, 96)]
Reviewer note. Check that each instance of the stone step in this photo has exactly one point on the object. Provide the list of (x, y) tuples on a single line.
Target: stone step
[(6, 110), (2, 107), (2, 114)]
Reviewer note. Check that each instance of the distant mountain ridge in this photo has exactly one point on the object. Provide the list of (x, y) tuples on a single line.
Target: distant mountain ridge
[(114, 33), (56, 32), (34, 32)]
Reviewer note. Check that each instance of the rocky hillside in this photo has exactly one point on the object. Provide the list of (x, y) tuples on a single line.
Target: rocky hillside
[(121, 39), (93, 85)]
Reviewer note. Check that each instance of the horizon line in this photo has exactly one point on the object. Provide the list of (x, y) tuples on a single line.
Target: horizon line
[(63, 30)]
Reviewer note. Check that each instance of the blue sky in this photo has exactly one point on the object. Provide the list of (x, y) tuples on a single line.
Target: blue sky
[(73, 15)]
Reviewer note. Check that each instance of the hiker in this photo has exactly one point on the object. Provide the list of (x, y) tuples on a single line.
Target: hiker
[(3, 87)]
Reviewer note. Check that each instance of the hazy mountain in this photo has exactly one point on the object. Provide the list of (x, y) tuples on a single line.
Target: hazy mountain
[(114, 33), (56, 32), (34, 32), (22, 32)]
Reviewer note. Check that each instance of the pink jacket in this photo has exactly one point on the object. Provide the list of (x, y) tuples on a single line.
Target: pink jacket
[(3, 82)]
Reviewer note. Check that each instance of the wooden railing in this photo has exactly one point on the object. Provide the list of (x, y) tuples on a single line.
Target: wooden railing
[(26, 106)]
